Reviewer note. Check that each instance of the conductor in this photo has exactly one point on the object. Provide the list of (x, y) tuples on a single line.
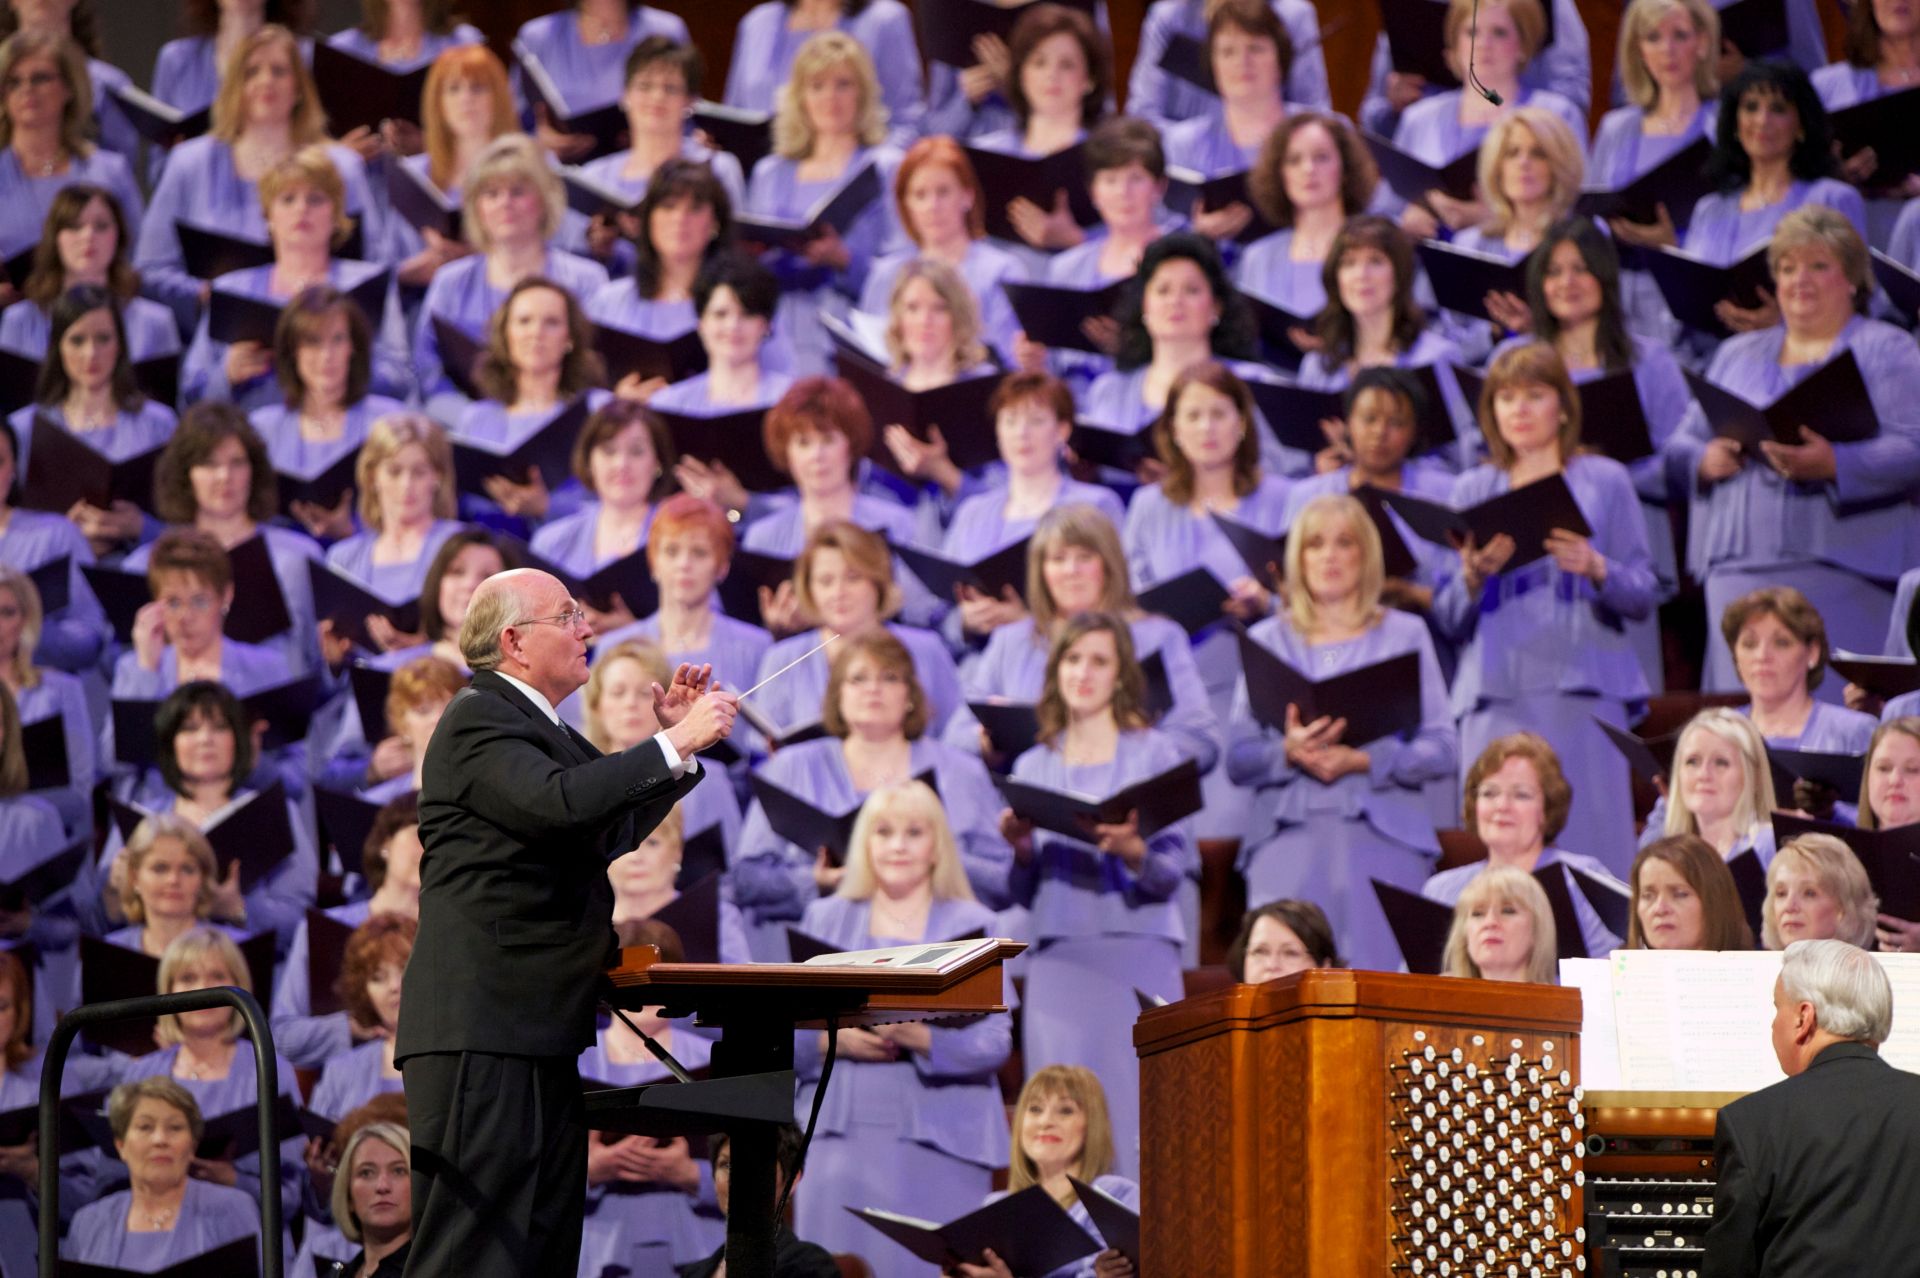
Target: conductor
[(519, 817)]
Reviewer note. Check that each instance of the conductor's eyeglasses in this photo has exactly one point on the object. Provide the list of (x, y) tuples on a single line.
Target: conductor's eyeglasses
[(571, 619)]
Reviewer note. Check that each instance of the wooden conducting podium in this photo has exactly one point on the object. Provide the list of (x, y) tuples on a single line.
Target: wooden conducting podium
[(1336, 1124), (757, 1007)]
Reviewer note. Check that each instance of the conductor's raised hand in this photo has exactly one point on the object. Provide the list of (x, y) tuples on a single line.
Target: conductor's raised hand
[(693, 710)]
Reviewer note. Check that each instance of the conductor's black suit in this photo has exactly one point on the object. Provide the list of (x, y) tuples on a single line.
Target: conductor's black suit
[(1819, 1175), (519, 816)]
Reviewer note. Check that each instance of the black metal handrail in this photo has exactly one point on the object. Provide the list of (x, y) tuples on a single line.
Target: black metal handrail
[(266, 1084)]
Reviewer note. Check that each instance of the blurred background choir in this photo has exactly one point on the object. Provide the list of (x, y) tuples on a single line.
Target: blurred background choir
[(1481, 528)]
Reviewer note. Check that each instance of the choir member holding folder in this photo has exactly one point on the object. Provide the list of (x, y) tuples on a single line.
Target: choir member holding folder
[(772, 38), (164, 1217), (1817, 890), (1684, 898), (581, 51), (1331, 809), (1834, 520), (179, 637), (209, 184), (1882, 59), (1309, 178), (830, 125), (735, 298), (1890, 800), (1105, 919), (323, 364), (71, 632), (1668, 59), (369, 985), (465, 104), (915, 1122), (1582, 591), (374, 71), (1164, 94), (1517, 801), (1248, 51), (187, 73), (1414, 58), (84, 240), (1502, 930), (1721, 790), (46, 695), (513, 206), (619, 459)]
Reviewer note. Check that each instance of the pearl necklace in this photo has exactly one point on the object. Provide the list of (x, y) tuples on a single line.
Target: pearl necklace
[(158, 1220)]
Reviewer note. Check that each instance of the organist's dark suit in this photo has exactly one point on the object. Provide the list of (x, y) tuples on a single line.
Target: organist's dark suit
[(1819, 1175), (519, 817)]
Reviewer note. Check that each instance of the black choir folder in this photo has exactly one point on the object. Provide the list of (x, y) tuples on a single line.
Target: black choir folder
[(1528, 514), (1194, 598), (990, 574), (121, 594), (209, 254), (54, 580), (64, 469), (1029, 1231), (1190, 191), (1099, 445), (803, 823), (259, 609), (630, 577), (1185, 58), (803, 947), (1295, 411), (948, 28), (1378, 700), (590, 197), (1756, 27), (1841, 773), (1677, 182), (109, 972), (236, 317), (1886, 124), (45, 741), (257, 831), (548, 450), (238, 1259), (1007, 178), (323, 485), (35, 883), (1832, 400), (1053, 315), (626, 352), (1417, 40), (1420, 925), (1885, 677), (1276, 324), (1118, 1223), (1693, 286), (1160, 800), (958, 409), (838, 210), (732, 439), (749, 574), (1264, 554), (1014, 726), (327, 939), (286, 709), (359, 93), (460, 354), (1890, 857), (694, 916), (605, 122), (346, 819), (1649, 757), (160, 123), (1613, 421), (1462, 277), (746, 135), (1412, 178), (425, 206)]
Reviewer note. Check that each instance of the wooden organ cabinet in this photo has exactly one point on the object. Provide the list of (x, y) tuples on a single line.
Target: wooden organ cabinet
[(1338, 1124)]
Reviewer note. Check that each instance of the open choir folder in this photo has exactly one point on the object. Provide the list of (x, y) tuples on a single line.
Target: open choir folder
[(1158, 800), (1884, 123), (802, 822), (237, 1259), (1528, 514), (1053, 314), (255, 831), (1411, 178), (1194, 598), (744, 134), (673, 358), (1029, 1231), (1677, 182), (604, 122), (1264, 554), (1700, 1021), (1378, 700), (1116, 449), (948, 28), (160, 123), (347, 604), (1006, 178), (45, 742), (64, 470), (548, 450), (1276, 324), (1840, 773), (1885, 677), (1832, 400), (109, 972), (1693, 286), (1012, 727), (1462, 277), (991, 574), (1891, 858), (1118, 1223), (1902, 285), (837, 210), (360, 93), (425, 206), (1190, 191), (732, 439)]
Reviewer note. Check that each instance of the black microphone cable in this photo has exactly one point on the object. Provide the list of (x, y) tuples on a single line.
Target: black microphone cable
[(1473, 39)]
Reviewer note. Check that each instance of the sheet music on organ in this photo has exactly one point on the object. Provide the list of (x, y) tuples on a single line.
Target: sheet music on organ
[(935, 956), (1698, 1021)]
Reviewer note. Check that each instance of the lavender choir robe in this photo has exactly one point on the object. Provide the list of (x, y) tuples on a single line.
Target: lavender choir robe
[(1622, 151), (57, 694), (795, 697), (351, 1079), (462, 295), (306, 1039), (921, 1135), (289, 551), (19, 1228), (1547, 652), (1161, 98), (1757, 840), (211, 1216), (1267, 269), (1101, 931), (114, 130), (1841, 85), (764, 47), (1117, 401), (488, 421), (1446, 887), (735, 650), (1325, 842), (1842, 543), (1431, 131), (985, 268), (24, 200), (1722, 232), (782, 531), (395, 582), (279, 429), (71, 638), (25, 329), (1118, 1188), (1562, 67), (1431, 348), (588, 75)]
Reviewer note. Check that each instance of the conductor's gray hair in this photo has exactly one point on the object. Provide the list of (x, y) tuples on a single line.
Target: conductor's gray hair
[(490, 613), (1849, 990)]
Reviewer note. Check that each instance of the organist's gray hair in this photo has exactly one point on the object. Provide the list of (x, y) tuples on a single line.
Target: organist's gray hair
[(1850, 993)]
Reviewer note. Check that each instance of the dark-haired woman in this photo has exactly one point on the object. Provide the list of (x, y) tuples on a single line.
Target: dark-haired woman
[(1281, 938), (735, 298), (1247, 50), (769, 38), (84, 240), (1162, 97), (86, 388), (1882, 56), (1312, 174), (583, 47)]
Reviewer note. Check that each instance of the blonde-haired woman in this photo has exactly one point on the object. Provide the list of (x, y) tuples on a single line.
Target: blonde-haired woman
[(163, 879), (1817, 890), (1332, 814), (1530, 171), (372, 1199), (1890, 799), (267, 109), (933, 338), (828, 125), (1106, 920), (206, 1054), (1721, 788), (513, 205), (916, 1123), (774, 36), (1502, 930), (1668, 58), (42, 692), (1075, 565), (1061, 1130)]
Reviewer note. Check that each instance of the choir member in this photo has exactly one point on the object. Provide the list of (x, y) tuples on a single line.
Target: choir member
[(1882, 56), (618, 714), (46, 131), (772, 38), (76, 20), (373, 1200), (793, 1258), (42, 691), (206, 1054), (876, 718), (916, 1122), (1312, 174), (1511, 676), (214, 476), (70, 638), (465, 104), (164, 1217), (1075, 565), (86, 387), (620, 458), (1561, 66), (405, 35), (644, 877), (689, 550), (167, 883), (1248, 51), (735, 298), (369, 986), (513, 206), (1684, 898), (1502, 930), (1105, 920), (685, 218), (1061, 1129), (933, 338), (84, 240), (20, 1067), (1032, 420), (1279, 939), (829, 124), (267, 109), (1721, 790), (390, 870), (1831, 520), (28, 823), (1669, 67), (583, 48), (303, 202), (178, 638), (1330, 814), (1890, 799), (942, 209), (417, 695), (1162, 98), (1516, 801), (187, 73), (323, 364), (1817, 890), (1370, 319), (404, 477)]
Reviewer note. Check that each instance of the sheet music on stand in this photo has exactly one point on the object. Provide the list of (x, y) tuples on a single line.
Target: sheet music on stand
[(1699, 1021)]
